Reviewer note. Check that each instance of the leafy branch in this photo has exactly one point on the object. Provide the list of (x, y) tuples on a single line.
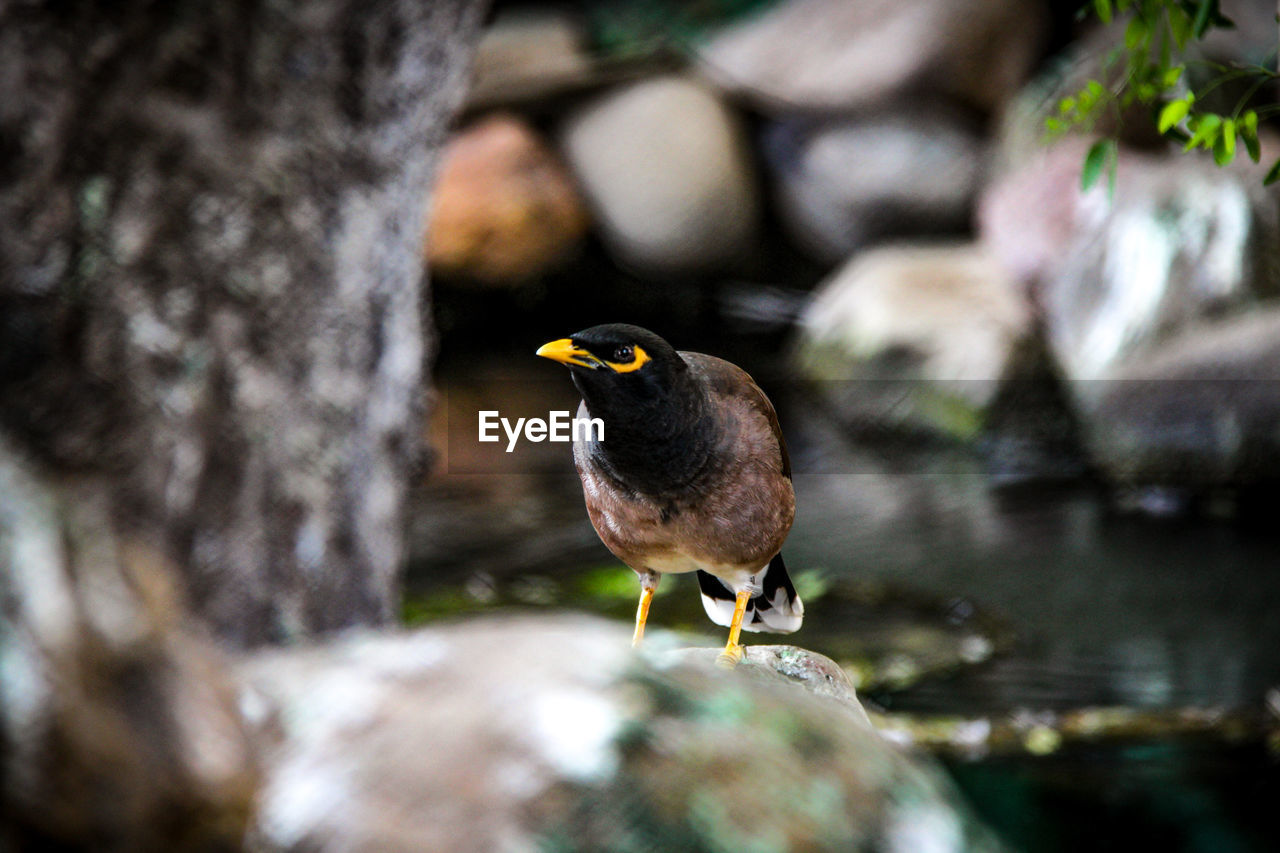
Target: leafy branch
[(1156, 36)]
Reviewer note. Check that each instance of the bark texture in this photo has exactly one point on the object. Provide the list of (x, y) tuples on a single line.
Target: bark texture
[(120, 730), (210, 285)]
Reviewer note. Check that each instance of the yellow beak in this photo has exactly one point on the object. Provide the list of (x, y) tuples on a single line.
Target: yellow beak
[(566, 352)]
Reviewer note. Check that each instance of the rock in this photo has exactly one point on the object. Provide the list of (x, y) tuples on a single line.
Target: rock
[(1030, 217), (844, 184), (529, 733), (914, 338), (1141, 297), (818, 674), (504, 208), (527, 53), (830, 55), (1181, 241), (1198, 409), (666, 168), (1251, 41), (119, 728)]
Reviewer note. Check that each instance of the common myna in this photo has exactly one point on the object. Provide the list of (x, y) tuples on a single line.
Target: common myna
[(691, 474)]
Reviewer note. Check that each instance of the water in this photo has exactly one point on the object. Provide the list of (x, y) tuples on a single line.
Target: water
[(1107, 610)]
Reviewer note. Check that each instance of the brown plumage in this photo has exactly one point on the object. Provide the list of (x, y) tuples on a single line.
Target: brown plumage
[(692, 474)]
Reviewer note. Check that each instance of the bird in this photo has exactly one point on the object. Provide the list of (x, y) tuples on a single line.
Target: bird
[(690, 473)]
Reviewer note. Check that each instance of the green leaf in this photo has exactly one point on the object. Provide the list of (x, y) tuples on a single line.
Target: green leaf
[(1099, 153), (1251, 144), (1066, 105), (1170, 76), (1249, 133), (1180, 26), (1135, 34), (1201, 24), (1224, 148), (1273, 174), (1173, 112), (1103, 8), (1204, 130)]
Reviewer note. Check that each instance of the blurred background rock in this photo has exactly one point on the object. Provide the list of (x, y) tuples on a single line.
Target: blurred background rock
[(738, 157)]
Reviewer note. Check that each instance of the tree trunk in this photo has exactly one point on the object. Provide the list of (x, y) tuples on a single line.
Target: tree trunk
[(210, 287)]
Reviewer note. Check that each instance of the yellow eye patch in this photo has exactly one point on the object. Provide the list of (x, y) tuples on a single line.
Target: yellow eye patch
[(636, 362)]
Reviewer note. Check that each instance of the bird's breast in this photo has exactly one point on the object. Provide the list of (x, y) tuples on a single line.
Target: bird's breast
[(742, 522)]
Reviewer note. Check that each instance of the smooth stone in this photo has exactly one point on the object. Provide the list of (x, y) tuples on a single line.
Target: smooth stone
[(1198, 409), (504, 208), (533, 732), (666, 168), (785, 664), (528, 53), (1181, 241), (914, 338), (844, 184), (833, 55), (1251, 41)]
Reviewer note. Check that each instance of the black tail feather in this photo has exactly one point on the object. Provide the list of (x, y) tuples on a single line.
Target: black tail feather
[(776, 608)]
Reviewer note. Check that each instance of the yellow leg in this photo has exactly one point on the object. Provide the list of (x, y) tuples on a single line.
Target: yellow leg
[(732, 650), (642, 613)]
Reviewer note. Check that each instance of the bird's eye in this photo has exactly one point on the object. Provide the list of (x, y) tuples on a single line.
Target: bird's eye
[(622, 354)]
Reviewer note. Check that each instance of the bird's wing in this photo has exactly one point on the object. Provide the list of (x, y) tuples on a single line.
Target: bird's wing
[(726, 379)]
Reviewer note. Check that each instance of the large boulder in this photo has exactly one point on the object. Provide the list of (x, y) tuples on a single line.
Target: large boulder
[(833, 55), (915, 338), (1144, 298), (528, 53), (504, 207), (1198, 409), (538, 733), (666, 167), (1181, 240), (847, 183)]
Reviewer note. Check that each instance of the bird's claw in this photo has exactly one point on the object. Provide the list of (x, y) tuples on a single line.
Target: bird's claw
[(730, 657)]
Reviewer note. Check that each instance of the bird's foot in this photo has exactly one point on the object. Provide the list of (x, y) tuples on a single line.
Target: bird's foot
[(730, 657)]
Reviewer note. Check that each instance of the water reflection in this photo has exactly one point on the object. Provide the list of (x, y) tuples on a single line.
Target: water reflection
[(1108, 609)]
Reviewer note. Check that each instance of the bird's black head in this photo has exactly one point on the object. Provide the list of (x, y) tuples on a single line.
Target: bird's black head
[(628, 375), (655, 419), (631, 361)]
